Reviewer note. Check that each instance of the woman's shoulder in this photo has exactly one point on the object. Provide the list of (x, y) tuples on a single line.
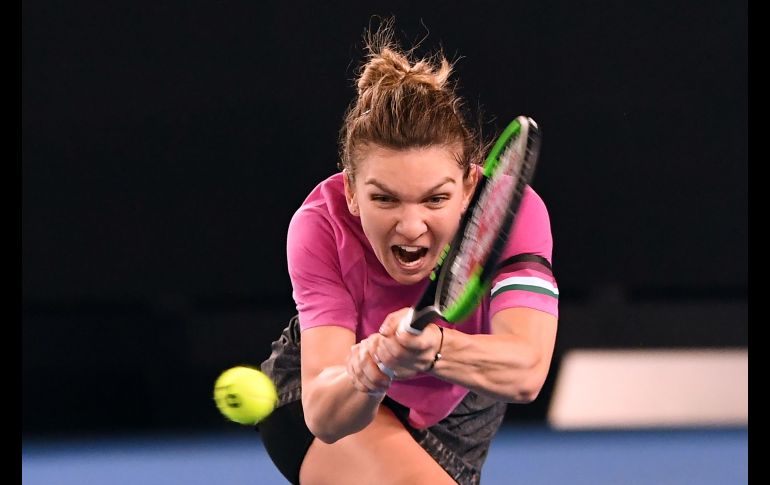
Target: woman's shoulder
[(326, 199), (324, 221), (533, 209)]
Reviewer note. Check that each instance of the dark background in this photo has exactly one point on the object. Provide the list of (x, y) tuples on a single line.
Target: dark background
[(165, 146)]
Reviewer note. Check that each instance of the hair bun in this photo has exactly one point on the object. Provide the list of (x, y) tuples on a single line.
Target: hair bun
[(403, 102), (387, 69)]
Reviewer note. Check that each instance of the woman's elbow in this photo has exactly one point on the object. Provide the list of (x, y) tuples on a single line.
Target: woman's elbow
[(320, 429), (527, 392), (527, 388)]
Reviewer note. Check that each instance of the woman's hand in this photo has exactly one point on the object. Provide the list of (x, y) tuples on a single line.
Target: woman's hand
[(365, 373), (403, 352)]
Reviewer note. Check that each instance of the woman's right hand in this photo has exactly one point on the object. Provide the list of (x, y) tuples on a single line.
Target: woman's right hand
[(365, 373)]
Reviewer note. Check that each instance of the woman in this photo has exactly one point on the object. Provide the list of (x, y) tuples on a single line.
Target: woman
[(361, 402)]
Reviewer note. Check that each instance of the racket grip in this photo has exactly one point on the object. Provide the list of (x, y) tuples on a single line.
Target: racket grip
[(405, 325), (414, 322)]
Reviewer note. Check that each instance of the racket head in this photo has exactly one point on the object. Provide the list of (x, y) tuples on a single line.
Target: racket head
[(468, 268)]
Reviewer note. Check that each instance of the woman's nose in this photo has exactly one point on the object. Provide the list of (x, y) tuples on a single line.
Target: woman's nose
[(411, 224)]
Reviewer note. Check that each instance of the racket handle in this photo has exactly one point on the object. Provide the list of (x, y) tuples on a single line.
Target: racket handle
[(405, 325), (415, 321)]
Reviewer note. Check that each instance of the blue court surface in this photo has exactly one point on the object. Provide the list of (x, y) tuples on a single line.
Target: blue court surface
[(519, 455)]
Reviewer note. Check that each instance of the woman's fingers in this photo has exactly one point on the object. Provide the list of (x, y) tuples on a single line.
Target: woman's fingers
[(365, 371)]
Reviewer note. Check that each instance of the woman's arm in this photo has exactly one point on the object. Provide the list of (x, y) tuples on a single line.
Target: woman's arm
[(337, 379), (510, 365)]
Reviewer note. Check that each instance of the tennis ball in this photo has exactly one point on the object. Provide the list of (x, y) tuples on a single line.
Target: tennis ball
[(245, 395)]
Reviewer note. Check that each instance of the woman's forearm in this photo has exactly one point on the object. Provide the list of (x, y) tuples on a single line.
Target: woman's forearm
[(334, 408), (506, 367)]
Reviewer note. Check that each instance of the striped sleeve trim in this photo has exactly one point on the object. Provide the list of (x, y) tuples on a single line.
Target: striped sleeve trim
[(525, 261), (526, 283)]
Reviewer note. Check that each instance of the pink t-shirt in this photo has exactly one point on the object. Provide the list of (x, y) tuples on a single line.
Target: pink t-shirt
[(338, 280)]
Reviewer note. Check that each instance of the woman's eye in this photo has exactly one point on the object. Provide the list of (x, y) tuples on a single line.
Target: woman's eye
[(383, 198), (437, 199)]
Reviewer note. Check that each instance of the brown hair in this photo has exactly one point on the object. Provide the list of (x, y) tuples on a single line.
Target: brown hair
[(403, 103)]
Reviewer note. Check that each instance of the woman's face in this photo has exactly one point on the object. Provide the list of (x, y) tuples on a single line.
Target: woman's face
[(410, 203)]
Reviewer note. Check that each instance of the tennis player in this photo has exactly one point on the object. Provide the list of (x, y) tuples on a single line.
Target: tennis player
[(360, 401)]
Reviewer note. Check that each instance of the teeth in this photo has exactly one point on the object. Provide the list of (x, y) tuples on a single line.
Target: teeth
[(409, 256)]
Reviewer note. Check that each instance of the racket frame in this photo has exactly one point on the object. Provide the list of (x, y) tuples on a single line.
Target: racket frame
[(428, 309)]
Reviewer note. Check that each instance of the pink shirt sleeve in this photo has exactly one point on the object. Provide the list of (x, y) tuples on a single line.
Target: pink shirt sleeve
[(319, 292), (525, 277)]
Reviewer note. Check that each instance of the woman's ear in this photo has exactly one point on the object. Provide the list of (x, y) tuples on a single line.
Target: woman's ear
[(350, 193), (469, 185)]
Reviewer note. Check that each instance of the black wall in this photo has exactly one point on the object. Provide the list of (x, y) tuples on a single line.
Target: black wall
[(165, 146)]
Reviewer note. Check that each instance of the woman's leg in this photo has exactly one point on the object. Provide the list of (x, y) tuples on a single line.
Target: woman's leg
[(383, 453), (286, 439)]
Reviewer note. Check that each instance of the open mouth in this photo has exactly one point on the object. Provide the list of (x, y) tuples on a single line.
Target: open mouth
[(409, 256)]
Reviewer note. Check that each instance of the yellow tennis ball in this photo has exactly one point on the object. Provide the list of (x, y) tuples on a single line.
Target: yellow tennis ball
[(245, 395)]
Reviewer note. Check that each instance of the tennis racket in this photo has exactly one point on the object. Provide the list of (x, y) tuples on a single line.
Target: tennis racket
[(465, 270)]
